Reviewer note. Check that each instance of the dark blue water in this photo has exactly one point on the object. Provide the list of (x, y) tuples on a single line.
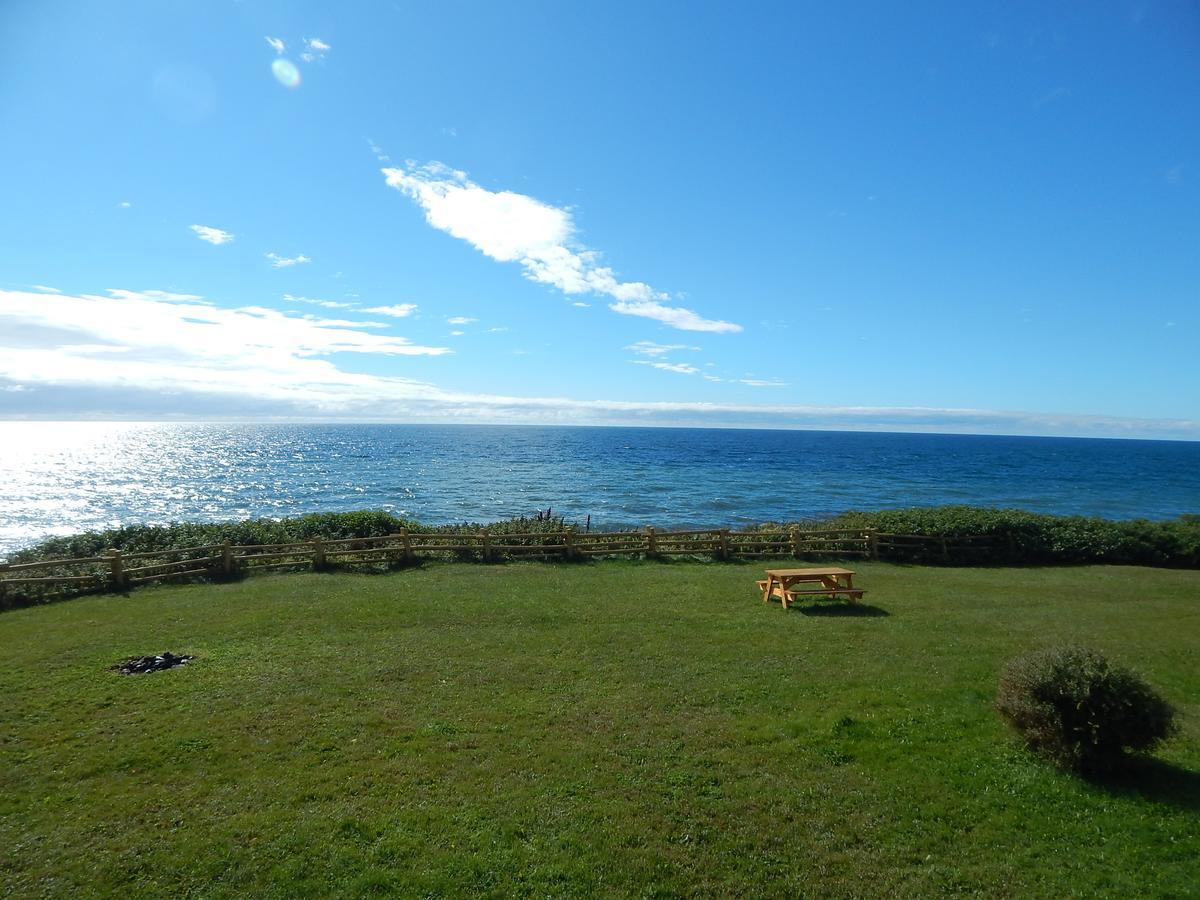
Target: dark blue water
[(58, 478)]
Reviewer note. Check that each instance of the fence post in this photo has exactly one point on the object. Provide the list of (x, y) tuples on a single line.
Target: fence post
[(116, 569), (226, 559), (945, 551), (723, 536), (872, 543), (795, 531), (3, 586), (408, 554), (651, 543), (318, 549), (487, 546), (568, 545)]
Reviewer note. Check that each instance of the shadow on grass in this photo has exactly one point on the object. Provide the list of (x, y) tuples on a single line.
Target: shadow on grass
[(850, 610), (1147, 778)]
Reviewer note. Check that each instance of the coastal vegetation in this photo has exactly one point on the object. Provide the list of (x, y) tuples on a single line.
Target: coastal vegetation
[(1025, 538), (375, 540), (1018, 537), (622, 727), (1080, 710)]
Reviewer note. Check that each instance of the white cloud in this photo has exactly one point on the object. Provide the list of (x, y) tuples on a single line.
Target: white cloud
[(581, 304), (378, 151), (135, 354), (650, 348), (185, 324), (511, 227), (45, 289), (675, 316), (167, 343), (457, 333), (282, 262), (314, 49), (212, 235), (164, 296), (679, 368), (759, 382), (461, 320), (328, 304), (398, 311), (276, 44), (124, 204)]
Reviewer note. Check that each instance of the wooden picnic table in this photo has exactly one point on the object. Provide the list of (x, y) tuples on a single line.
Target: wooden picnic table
[(833, 582)]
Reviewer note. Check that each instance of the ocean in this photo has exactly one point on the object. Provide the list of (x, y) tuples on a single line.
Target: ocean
[(62, 478)]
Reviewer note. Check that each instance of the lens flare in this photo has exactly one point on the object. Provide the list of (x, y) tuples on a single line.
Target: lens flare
[(286, 73)]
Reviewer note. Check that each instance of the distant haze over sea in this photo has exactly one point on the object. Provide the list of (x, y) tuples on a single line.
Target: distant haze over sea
[(61, 478)]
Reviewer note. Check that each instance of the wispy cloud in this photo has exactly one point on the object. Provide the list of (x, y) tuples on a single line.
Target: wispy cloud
[(282, 262), (378, 151), (760, 382), (125, 204), (211, 235), (650, 348), (581, 304), (156, 296), (398, 311), (328, 304), (679, 368), (512, 227), (129, 354), (314, 49), (45, 289), (276, 44), (461, 320), (167, 342)]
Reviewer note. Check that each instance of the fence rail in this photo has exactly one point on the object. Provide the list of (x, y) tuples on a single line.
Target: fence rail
[(218, 561)]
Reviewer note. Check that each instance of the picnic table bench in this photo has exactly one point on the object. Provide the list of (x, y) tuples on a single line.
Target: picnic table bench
[(831, 582)]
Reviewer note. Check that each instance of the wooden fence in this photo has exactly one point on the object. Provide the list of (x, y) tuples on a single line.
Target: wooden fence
[(120, 571)]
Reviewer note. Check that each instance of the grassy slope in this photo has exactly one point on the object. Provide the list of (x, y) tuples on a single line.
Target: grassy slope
[(635, 728)]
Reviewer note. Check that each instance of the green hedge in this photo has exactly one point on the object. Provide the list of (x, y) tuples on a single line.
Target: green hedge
[(327, 526), (1017, 537), (1023, 538)]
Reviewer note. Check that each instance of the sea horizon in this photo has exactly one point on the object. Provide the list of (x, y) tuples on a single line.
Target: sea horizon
[(665, 426), (62, 478)]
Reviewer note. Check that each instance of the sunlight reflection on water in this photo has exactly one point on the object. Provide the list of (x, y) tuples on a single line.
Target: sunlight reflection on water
[(62, 478)]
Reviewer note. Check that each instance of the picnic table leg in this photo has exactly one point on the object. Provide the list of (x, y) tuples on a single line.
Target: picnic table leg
[(783, 589), (767, 589)]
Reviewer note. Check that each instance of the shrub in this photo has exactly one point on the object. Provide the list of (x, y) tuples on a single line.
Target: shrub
[(1073, 706), (1022, 538)]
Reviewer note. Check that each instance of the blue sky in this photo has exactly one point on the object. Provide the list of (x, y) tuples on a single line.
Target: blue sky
[(950, 217)]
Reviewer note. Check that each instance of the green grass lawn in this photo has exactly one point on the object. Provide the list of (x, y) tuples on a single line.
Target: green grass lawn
[(617, 728)]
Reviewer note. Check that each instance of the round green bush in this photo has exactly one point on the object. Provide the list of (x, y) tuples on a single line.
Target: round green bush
[(1085, 713)]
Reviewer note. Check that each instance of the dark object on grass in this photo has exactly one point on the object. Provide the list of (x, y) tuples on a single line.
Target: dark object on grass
[(139, 665), (1073, 706)]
